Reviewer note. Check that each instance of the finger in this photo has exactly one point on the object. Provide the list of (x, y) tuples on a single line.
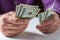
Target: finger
[(53, 18), (10, 13), (20, 21), (3, 18), (55, 15), (43, 30), (6, 16), (13, 30), (10, 33), (43, 27), (13, 26), (9, 16), (14, 20), (8, 26), (38, 26)]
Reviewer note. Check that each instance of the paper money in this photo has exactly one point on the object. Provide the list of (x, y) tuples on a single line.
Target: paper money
[(26, 11), (45, 15), (16, 11), (30, 13)]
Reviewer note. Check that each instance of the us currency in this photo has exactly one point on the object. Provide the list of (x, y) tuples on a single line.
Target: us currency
[(18, 10), (46, 14), (17, 7), (42, 16), (26, 11), (30, 13)]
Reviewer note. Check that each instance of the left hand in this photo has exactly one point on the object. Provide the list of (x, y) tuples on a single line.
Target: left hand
[(49, 25), (11, 25)]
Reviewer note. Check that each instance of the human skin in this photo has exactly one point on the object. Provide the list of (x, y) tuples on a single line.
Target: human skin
[(50, 25), (11, 25)]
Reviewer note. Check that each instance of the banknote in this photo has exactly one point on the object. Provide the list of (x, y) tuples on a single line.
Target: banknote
[(17, 7), (30, 13), (46, 14), (27, 8), (26, 11)]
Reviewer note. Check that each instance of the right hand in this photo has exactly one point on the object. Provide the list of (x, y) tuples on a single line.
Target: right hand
[(11, 26), (50, 25)]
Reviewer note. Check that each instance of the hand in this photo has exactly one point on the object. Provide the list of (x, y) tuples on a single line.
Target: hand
[(11, 26), (49, 25)]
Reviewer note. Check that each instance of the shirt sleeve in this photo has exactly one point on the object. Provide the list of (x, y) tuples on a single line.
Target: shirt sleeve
[(0, 8), (47, 4), (57, 6)]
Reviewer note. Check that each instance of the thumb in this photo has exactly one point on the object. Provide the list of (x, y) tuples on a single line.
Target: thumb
[(38, 26)]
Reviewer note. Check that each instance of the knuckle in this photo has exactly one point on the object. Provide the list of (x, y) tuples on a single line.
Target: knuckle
[(9, 14), (4, 19), (16, 20), (37, 26), (2, 25)]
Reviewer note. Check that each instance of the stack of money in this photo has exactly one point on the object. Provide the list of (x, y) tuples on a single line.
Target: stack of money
[(46, 14), (26, 11)]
